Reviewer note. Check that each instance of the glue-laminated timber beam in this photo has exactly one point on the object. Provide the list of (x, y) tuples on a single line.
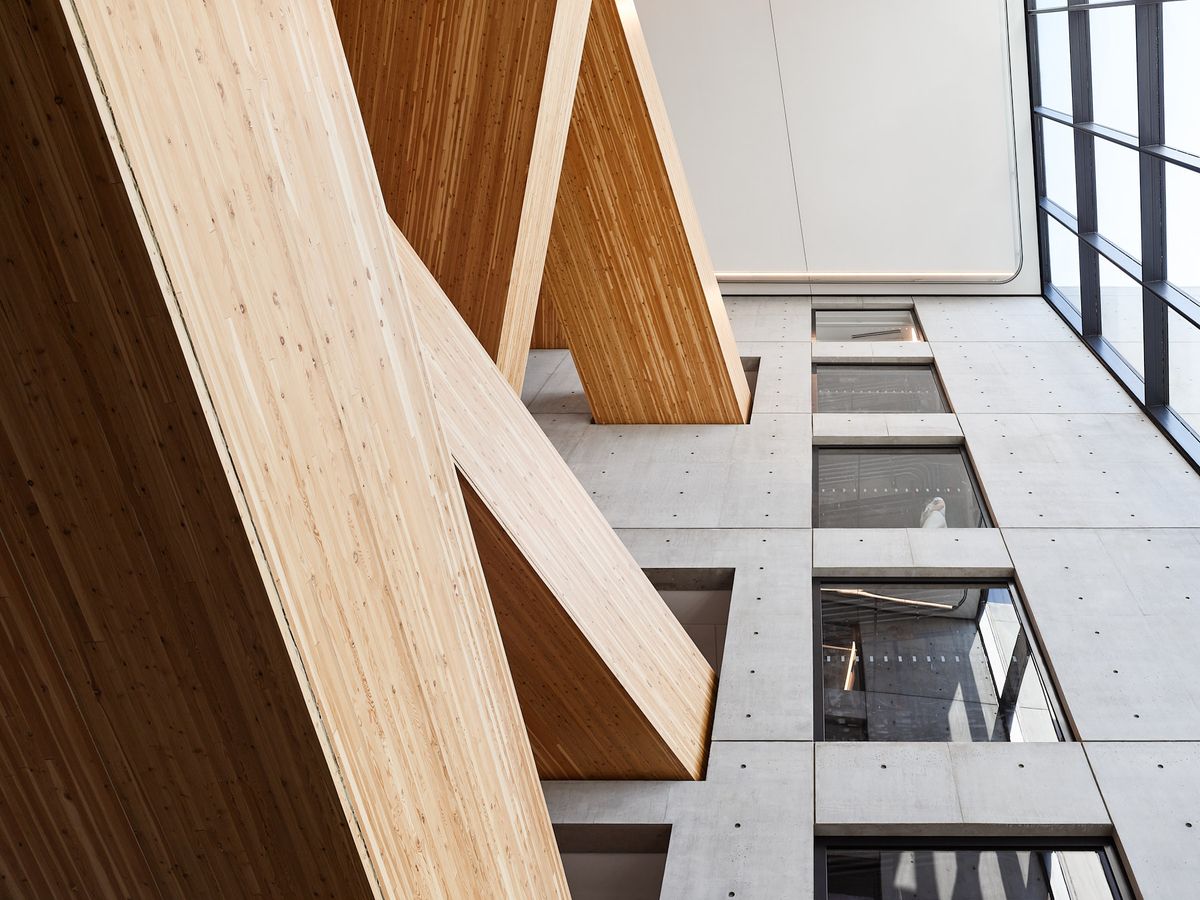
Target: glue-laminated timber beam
[(610, 684), (627, 269), (247, 648), (548, 333), (467, 104)]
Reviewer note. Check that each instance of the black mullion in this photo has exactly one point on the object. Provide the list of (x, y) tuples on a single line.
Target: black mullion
[(1085, 166), (1152, 132)]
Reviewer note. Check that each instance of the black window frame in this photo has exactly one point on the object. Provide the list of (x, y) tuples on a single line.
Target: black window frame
[(1118, 881), (1062, 722), (1151, 391)]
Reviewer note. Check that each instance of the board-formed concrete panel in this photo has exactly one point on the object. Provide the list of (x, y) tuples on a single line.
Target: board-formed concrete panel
[(1113, 609), (1081, 470), (1152, 791), (910, 553), (1027, 377), (990, 319), (960, 789)]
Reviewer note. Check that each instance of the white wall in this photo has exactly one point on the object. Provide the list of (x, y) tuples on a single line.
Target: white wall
[(862, 141)]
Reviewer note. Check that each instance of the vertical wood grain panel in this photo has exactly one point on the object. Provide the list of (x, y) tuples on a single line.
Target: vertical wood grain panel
[(155, 737), (467, 106), (627, 269), (228, 509), (610, 684), (548, 331)]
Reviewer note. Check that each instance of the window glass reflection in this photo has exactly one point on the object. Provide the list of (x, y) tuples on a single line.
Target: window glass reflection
[(1181, 74), (877, 389), (1064, 261), (1058, 142), (1184, 353), (865, 325), (1054, 61), (1118, 196), (1121, 314), (1183, 229), (909, 488), (1114, 68), (974, 874), (912, 662)]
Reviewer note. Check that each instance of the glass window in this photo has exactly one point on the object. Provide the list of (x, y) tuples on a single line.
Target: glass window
[(1058, 144), (877, 389), (896, 488), (1184, 351), (1054, 61), (929, 662), (1114, 68), (1121, 314), (978, 873), (1181, 74), (1119, 196), (1064, 261), (1183, 229), (865, 325)]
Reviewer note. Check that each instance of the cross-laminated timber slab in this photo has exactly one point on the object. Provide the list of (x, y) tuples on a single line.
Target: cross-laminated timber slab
[(627, 269), (610, 684), (467, 104), (247, 646)]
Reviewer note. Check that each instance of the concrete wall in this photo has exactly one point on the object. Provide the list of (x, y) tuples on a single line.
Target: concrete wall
[(1098, 523)]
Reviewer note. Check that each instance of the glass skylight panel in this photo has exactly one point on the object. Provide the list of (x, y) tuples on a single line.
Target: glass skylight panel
[(896, 488), (865, 325), (972, 873), (877, 389), (929, 662)]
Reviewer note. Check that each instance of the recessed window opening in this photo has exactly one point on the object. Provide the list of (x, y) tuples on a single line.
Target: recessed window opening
[(929, 662), (960, 872), (614, 862), (865, 325), (877, 389), (928, 487), (699, 598)]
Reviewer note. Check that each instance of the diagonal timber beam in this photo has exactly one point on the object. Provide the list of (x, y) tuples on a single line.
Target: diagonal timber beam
[(247, 647), (627, 269), (467, 104), (610, 684), (525, 147)]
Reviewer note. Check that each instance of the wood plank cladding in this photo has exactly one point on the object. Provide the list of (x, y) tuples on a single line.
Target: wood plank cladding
[(610, 684), (627, 268), (247, 647), (467, 104)]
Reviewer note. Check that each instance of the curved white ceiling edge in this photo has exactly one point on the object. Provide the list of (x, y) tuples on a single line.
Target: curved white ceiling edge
[(855, 143)]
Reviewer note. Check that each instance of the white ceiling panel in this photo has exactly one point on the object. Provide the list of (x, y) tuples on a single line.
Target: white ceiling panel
[(715, 63), (860, 141)]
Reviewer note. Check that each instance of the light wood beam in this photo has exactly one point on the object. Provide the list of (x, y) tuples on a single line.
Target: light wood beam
[(610, 684), (247, 647), (467, 104), (627, 269)]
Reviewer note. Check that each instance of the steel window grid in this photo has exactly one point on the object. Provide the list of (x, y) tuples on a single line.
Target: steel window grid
[(1152, 392)]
